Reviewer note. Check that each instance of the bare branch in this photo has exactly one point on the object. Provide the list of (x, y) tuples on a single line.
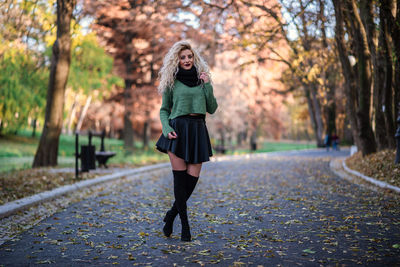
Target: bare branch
[(284, 92), (281, 58), (273, 14)]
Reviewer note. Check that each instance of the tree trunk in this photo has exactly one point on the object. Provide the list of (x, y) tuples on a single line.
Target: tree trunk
[(253, 140), (347, 70), (128, 127), (394, 29), (222, 138), (239, 139), (329, 77), (83, 114), (46, 154), (388, 94), (377, 58), (315, 115), (360, 43), (331, 110), (318, 115), (385, 41), (314, 107), (347, 134), (146, 134), (310, 112), (71, 116), (34, 127)]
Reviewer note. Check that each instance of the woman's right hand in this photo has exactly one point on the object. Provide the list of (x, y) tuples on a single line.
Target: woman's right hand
[(172, 135)]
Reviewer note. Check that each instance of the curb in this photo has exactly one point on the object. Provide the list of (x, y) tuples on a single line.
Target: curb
[(23, 203), (369, 179)]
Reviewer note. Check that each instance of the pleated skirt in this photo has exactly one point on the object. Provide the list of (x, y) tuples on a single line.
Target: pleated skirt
[(193, 142)]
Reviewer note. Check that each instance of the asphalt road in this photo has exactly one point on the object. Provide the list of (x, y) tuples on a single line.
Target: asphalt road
[(281, 209)]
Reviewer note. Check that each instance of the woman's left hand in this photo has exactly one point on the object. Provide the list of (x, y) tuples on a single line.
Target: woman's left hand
[(204, 77)]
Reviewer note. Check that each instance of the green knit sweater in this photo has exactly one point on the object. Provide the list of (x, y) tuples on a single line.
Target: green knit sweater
[(183, 100)]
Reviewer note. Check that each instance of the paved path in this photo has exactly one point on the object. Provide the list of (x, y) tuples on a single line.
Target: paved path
[(283, 209)]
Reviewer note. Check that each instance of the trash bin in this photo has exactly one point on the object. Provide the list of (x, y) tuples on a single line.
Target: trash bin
[(253, 146), (88, 158)]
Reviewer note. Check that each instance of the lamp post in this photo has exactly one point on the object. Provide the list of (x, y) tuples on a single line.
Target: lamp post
[(397, 136)]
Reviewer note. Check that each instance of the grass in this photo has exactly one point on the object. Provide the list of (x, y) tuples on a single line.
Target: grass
[(24, 145), (17, 146), (269, 146)]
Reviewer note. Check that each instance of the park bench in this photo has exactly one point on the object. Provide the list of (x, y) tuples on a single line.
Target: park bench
[(89, 155)]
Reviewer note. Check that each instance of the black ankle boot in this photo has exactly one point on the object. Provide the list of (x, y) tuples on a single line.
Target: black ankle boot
[(169, 223), (185, 235)]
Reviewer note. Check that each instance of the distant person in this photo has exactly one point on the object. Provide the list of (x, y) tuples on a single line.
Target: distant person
[(335, 141), (187, 94), (327, 141)]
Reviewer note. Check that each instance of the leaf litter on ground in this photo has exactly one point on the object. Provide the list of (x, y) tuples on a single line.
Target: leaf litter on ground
[(380, 165), (271, 211)]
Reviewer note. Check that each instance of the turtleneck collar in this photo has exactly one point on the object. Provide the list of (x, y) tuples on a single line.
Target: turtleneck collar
[(188, 77)]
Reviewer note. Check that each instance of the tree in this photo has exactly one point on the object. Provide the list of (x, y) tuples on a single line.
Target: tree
[(391, 12), (25, 21), (390, 15), (241, 30), (137, 35), (347, 69), (377, 59), (22, 83), (368, 26), (230, 118), (265, 30), (24, 28), (47, 152), (91, 76)]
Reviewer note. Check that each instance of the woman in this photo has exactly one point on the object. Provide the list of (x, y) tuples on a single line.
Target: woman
[(187, 94)]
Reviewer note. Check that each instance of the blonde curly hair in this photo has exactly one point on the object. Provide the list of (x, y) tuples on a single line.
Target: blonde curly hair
[(170, 67)]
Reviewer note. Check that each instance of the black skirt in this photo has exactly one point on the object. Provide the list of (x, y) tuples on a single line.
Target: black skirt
[(193, 142)]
